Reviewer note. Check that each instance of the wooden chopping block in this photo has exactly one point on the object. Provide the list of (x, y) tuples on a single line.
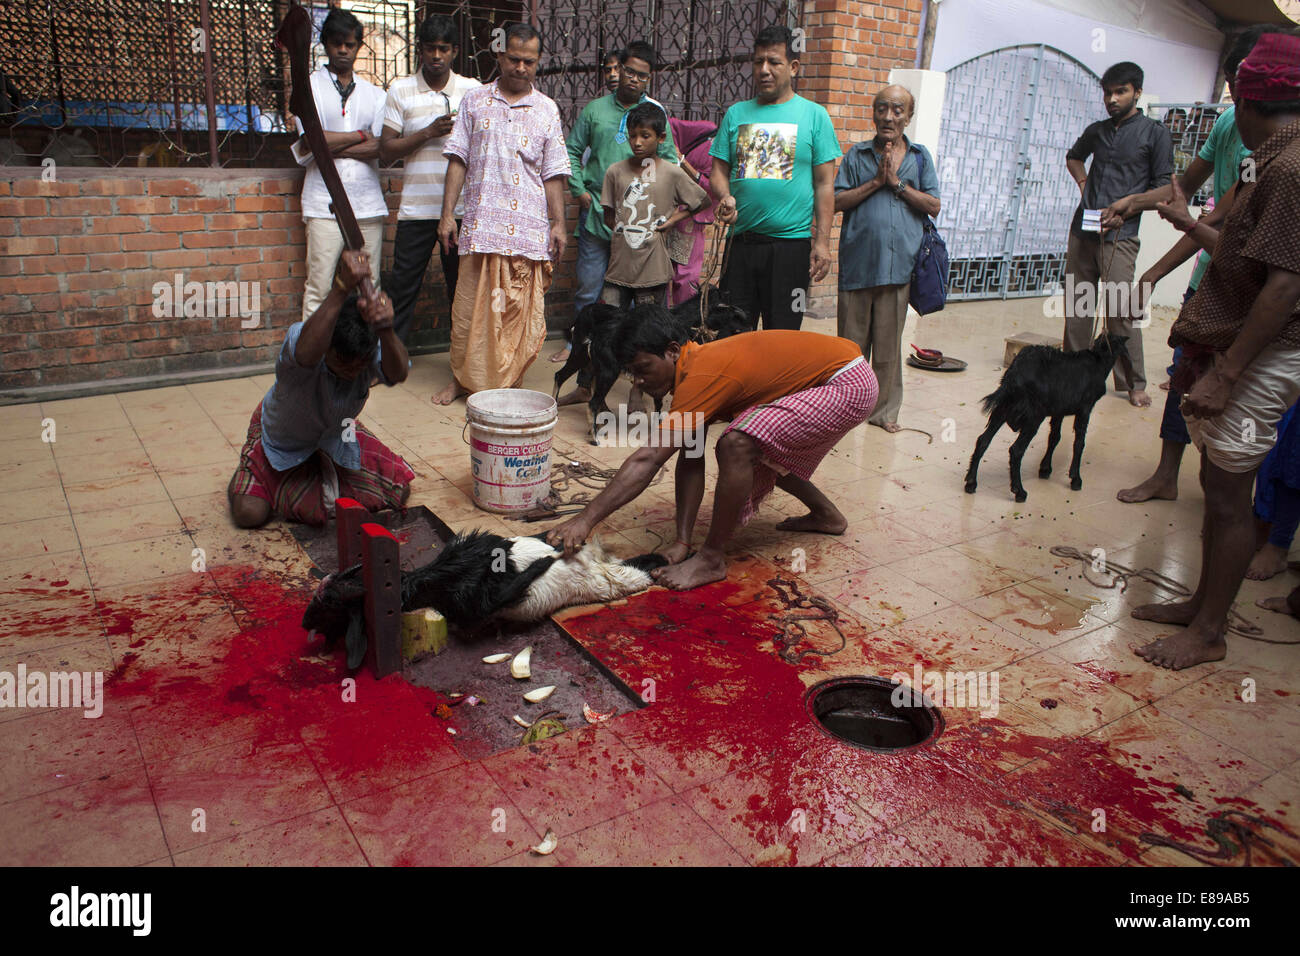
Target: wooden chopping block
[(1017, 342)]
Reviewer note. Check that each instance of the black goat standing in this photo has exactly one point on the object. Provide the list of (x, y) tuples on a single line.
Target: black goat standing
[(595, 335), (1044, 382)]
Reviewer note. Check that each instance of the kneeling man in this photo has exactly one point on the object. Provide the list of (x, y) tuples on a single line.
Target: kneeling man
[(789, 396), (305, 447)]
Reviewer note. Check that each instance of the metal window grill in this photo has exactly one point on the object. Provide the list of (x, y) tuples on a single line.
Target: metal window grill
[(1189, 125), (123, 82)]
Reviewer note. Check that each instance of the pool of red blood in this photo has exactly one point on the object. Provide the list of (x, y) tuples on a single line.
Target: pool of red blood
[(720, 699)]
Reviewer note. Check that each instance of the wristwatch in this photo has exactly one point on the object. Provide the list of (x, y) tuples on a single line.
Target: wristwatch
[(900, 189)]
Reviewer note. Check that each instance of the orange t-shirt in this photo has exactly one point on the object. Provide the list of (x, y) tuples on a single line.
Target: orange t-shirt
[(719, 380)]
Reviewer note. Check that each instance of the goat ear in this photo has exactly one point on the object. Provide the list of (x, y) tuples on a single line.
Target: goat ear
[(356, 640)]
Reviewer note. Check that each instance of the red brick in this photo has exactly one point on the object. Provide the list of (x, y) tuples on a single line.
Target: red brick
[(201, 204), (256, 338), (96, 353), (112, 187), (176, 223), (127, 332), (39, 187), (262, 237), (259, 204), (25, 207), (65, 338), (144, 205), (243, 220), (35, 265), (296, 252), (263, 270), (233, 257), (70, 245), (94, 280), (119, 260), (82, 206), (12, 266), (150, 241), (179, 259), (215, 342), (173, 187), (25, 285), (32, 246), (4, 189), (207, 240), (14, 342), (9, 361), (290, 286), (97, 317), (8, 227), (118, 298), (52, 226), (282, 220), (282, 186)]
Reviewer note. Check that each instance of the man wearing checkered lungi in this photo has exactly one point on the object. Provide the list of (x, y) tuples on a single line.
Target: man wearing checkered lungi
[(789, 396), (305, 447)]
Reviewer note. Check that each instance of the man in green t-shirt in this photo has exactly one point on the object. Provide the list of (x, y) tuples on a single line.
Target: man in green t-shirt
[(1221, 155), (774, 173), (599, 140)]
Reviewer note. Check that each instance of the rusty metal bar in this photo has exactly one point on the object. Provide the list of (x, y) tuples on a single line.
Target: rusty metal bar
[(209, 84), (382, 574), (349, 515)]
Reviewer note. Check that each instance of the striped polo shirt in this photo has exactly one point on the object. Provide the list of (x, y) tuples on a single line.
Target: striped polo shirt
[(412, 106)]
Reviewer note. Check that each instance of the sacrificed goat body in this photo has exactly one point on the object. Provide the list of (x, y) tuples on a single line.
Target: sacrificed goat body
[(478, 576), (1044, 382)]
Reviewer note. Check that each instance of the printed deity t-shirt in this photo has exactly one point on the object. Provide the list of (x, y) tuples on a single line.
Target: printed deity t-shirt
[(772, 149), (641, 201)]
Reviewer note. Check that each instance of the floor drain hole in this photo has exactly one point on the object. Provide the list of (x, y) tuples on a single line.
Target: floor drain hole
[(873, 713)]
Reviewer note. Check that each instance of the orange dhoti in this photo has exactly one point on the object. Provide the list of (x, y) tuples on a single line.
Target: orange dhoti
[(498, 320)]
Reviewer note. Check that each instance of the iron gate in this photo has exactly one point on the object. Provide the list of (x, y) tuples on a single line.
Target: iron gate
[(1008, 119)]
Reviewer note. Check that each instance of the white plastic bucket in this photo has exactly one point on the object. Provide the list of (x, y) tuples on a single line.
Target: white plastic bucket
[(510, 432)]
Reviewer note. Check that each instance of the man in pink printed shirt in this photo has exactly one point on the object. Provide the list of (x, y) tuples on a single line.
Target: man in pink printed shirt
[(507, 151)]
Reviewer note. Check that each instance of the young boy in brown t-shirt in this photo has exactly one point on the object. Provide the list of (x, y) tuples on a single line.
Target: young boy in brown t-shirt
[(642, 198)]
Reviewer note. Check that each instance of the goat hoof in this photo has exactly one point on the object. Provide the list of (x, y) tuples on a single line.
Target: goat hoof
[(970, 487), (1076, 483), (1044, 473), (1021, 496)]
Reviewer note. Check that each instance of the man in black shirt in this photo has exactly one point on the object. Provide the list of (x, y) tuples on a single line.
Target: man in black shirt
[(1130, 154)]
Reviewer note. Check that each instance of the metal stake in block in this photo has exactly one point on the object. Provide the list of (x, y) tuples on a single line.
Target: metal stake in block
[(382, 574), (349, 515)]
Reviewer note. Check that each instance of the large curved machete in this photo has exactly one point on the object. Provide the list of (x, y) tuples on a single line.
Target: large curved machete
[(294, 37)]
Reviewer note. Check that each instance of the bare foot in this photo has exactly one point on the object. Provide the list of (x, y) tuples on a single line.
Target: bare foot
[(1165, 386), (891, 427), (823, 524), (1270, 560), (579, 396), (1157, 486), (449, 394), (1139, 397), (562, 355), (695, 571), (1181, 612), (1290, 604), (1193, 646)]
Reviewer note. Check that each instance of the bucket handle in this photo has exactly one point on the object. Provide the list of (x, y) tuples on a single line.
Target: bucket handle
[(462, 432)]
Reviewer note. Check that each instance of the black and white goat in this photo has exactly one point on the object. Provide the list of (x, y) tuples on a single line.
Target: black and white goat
[(1044, 382), (596, 333), (478, 576)]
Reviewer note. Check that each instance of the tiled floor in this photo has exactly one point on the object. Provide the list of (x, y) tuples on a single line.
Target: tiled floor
[(224, 739)]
